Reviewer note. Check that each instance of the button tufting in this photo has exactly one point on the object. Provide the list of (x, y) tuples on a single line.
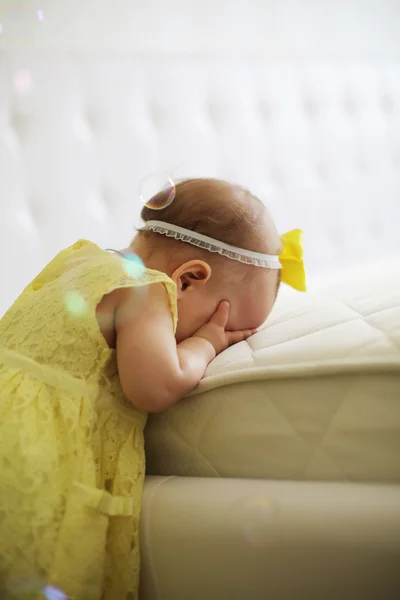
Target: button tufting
[(271, 126), (350, 106), (36, 287), (387, 104), (214, 112), (11, 142), (92, 120), (265, 111), (322, 172), (82, 130), (37, 208), (20, 122), (109, 197), (337, 235), (277, 176), (157, 115), (361, 164), (396, 158), (25, 221), (95, 208), (375, 228), (310, 107)]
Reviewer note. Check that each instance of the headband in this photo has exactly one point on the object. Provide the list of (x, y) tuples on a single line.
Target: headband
[(290, 261)]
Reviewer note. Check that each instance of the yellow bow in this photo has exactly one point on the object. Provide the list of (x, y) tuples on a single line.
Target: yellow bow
[(291, 258)]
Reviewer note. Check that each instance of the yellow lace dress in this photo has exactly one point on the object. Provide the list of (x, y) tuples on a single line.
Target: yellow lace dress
[(71, 448)]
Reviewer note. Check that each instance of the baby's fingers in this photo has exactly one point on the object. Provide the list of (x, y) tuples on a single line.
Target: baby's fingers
[(238, 336), (221, 315)]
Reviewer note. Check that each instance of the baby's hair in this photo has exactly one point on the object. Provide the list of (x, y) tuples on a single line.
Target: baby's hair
[(217, 209)]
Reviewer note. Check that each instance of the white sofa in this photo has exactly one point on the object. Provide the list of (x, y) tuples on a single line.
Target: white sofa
[(281, 473)]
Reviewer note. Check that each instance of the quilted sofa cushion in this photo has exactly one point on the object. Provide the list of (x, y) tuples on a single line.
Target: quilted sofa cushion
[(315, 395)]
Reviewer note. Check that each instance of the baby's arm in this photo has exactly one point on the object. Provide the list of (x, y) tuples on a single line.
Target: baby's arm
[(154, 374), (154, 371)]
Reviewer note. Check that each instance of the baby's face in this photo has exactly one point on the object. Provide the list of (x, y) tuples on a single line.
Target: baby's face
[(250, 303)]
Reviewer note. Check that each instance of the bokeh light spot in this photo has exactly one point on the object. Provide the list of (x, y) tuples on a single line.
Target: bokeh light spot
[(157, 191), (40, 15), (52, 593), (75, 304), (22, 82), (28, 589), (133, 266), (256, 520)]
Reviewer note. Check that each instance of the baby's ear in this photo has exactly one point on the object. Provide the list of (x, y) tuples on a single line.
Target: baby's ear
[(191, 275)]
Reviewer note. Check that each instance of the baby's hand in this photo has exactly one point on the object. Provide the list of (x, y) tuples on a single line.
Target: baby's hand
[(215, 333)]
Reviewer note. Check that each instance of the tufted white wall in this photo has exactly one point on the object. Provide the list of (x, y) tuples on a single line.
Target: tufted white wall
[(300, 101)]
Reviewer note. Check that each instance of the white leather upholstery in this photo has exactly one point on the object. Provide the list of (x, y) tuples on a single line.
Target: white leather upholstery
[(223, 538), (90, 102), (312, 396)]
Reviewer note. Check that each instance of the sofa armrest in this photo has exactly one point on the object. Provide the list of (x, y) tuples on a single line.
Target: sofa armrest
[(232, 539)]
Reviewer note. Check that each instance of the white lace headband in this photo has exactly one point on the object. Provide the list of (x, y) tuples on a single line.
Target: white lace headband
[(257, 259)]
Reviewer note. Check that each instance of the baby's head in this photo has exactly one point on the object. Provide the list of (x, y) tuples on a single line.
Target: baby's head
[(229, 214)]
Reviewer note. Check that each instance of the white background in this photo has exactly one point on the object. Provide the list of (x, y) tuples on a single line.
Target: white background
[(297, 100)]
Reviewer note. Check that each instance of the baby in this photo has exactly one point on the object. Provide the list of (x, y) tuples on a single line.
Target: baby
[(98, 340)]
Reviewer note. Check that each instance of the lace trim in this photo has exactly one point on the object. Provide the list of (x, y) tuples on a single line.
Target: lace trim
[(267, 261)]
